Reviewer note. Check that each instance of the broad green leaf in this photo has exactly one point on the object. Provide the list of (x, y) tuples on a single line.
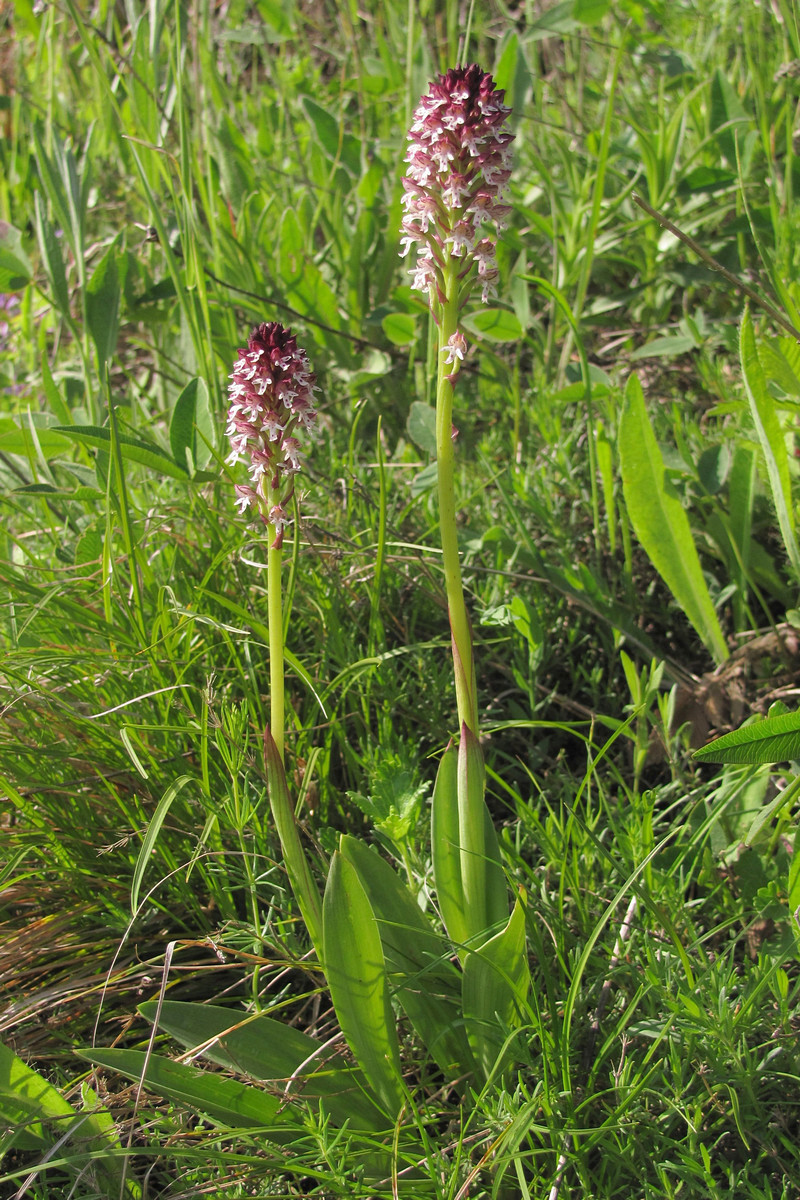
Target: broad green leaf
[(133, 449), (27, 1096), (16, 435), (660, 522), (445, 843), (483, 885), (15, 266), (422, 426), (417, 959), (773, 740), (495, 990), (664, 347), (726, 114), (338, 144), (590, 12), (151, 837), (102, 306), (356, 972), (191, 417), (400, 328), (770, 436), (494, 324), (713, 467), (272, 1052), (227, 1102)]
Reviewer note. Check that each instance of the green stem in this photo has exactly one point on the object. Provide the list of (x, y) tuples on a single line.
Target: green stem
[(275, 623), (464, 665)]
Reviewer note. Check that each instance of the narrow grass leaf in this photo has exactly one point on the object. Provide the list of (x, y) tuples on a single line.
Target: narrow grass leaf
[(151, 836), (660, 521), (356, 972), (771, 439), (495, 989), (133, 449)]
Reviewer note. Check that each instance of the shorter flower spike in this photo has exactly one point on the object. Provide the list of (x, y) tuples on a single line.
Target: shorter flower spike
[(271, 396)]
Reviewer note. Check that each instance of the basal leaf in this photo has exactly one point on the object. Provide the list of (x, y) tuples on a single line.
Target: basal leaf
[(660, 522)]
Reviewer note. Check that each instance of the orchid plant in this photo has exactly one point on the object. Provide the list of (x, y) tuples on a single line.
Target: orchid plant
[(463, 988)]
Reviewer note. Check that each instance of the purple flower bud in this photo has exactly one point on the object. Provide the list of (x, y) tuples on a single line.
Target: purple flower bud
[(459, 164), (271, 398)]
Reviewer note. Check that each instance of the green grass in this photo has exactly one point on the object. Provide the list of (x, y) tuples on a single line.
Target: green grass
[(178, 174)]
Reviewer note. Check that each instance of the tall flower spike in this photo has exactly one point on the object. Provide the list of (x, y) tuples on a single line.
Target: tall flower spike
[(271, 396), (459, 163)]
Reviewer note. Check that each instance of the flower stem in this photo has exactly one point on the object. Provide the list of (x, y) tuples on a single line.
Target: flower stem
[(275, 623), (463, 661)]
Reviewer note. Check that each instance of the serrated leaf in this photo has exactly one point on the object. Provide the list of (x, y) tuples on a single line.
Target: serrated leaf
[(773, 740), (659, 520)]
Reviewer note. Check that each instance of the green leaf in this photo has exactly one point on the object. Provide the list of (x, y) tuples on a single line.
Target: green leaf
[(226, 1101), (356, 972), (445, 842), (770, 436), (400, 328), (267, 1050), (151, 837), (495, 990), (494, 324), (421, 976), (134, 449), (773, 740), (338, 145), (102, 306), (16, 436), (665, 347), (191, 417), (52, 259), (15, 266), (660, 522), (27, 1098), (422, 426), (483, 886), (590, 12)]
